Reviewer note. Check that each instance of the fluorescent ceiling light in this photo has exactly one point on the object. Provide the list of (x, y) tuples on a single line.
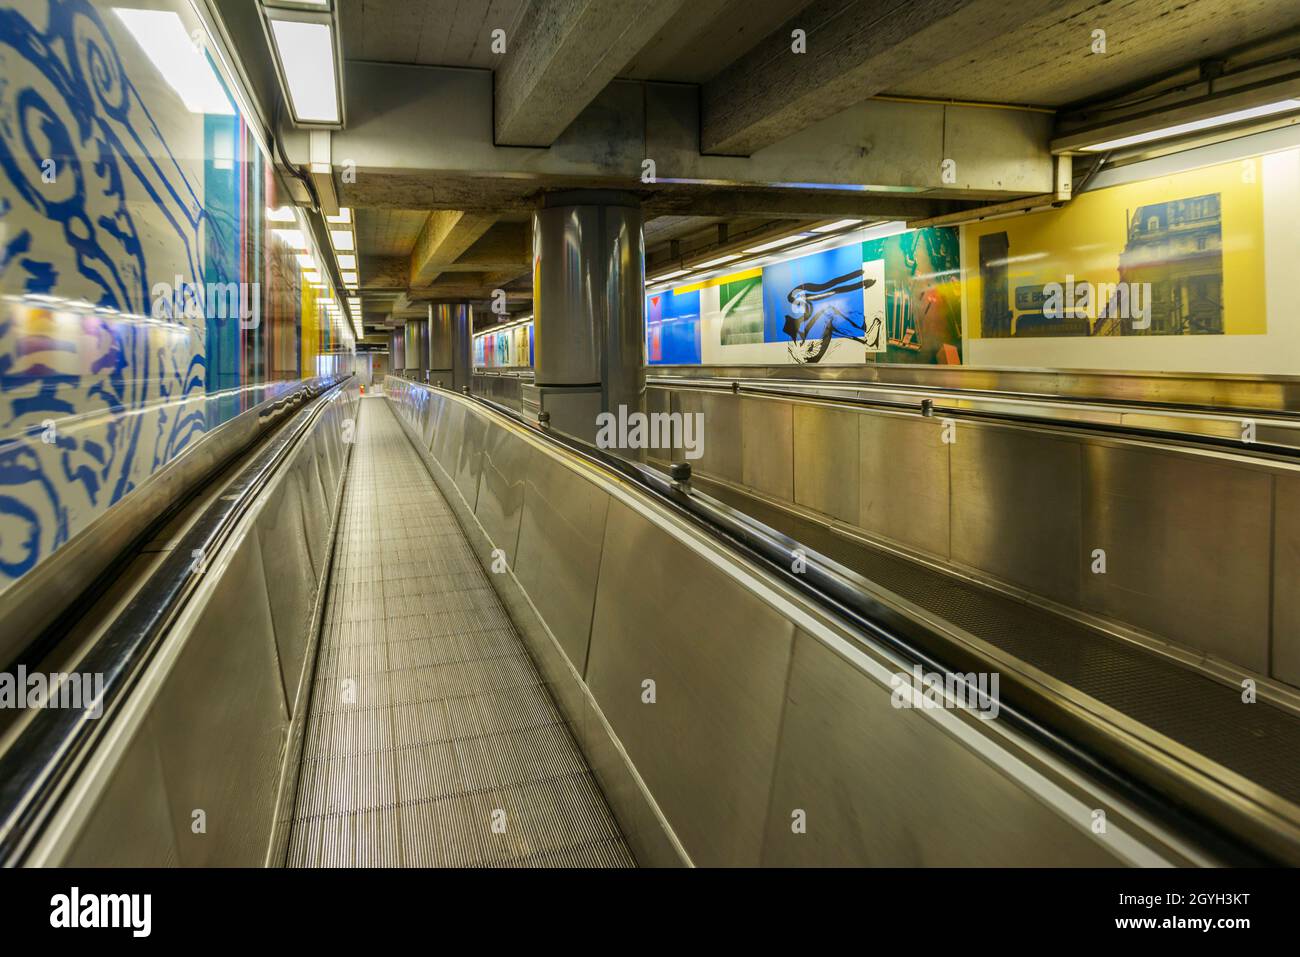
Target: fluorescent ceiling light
[(347, 262), (293, 237), (344, 216), (718, 262), (342, 239), (281, 214), (174, 54), (306, 54), (838, 224), (670, 275), (349, 279), (1210, 122), (776, 243)]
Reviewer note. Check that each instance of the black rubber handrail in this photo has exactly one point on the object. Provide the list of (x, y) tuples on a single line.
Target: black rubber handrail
[(38, 764), (927, 409), (831, 587)]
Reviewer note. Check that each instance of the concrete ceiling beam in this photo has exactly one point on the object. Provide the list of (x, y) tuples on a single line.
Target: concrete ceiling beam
[(564, 54), (446, 235), (852, 51), (421, 137)]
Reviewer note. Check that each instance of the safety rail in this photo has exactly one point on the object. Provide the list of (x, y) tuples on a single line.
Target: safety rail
[(1275, 423), (38, 766), (1187, 798)]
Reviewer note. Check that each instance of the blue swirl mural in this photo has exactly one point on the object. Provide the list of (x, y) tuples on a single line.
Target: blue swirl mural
[(108, 187)]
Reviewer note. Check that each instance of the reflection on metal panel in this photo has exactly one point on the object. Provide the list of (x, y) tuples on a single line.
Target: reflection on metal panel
[(1015, 509), (564, 515), (722, 422), (130, 825), (221, 721), (904, 474), (767, 446), (706, 746), (285, 558), (887, 787), (826, 461), (1286, 568), (1187, 549), (501, 490)]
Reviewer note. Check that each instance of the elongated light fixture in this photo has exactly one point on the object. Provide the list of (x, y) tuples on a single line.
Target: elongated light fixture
[(304, 41), (1194, 126)]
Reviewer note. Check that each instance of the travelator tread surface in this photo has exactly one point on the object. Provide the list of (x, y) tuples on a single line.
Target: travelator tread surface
[(428, 722), (1258, 741)]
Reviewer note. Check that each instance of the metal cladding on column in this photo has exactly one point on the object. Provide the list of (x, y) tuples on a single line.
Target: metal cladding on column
[(397, 349), (462, 339), (416, 334), (451, 346), (589, 295), (440, 342)]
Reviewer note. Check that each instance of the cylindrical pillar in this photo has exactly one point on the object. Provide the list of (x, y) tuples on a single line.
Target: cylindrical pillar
[(589, 295), (451, 349), (415, 340), (462, 345), (397, 350), (440, 344)]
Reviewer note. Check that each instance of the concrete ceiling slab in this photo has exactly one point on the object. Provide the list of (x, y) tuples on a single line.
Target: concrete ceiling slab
[(388, 232), (1049, 60), (435, 32)]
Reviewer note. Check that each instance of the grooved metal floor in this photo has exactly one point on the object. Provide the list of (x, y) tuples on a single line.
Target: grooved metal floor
[(1258, 741), (431, 740)]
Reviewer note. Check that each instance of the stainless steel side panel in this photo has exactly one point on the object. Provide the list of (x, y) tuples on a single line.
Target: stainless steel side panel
[(706, 747), (721, 447), (881, 786), (292, 594), (1187, 549), (468, 463), (448, 433), (1016, 502), (210, 727), (1022, 508), (458, 445), (1286, 568), (826, 461), (315, 520), (1280, 393), (904, 481), (130, 824), (221, 720), (430, 410), (767, 445), (558, 559), (501, 489)]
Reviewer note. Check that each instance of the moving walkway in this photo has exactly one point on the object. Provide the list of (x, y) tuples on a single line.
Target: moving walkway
[(512, 648)]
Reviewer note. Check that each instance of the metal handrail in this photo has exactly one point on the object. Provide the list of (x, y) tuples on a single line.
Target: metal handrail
[(927, 408), (37, 766), (833, 588)]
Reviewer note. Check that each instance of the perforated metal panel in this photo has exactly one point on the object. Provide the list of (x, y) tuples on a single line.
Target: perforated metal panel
[(431, 739)]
